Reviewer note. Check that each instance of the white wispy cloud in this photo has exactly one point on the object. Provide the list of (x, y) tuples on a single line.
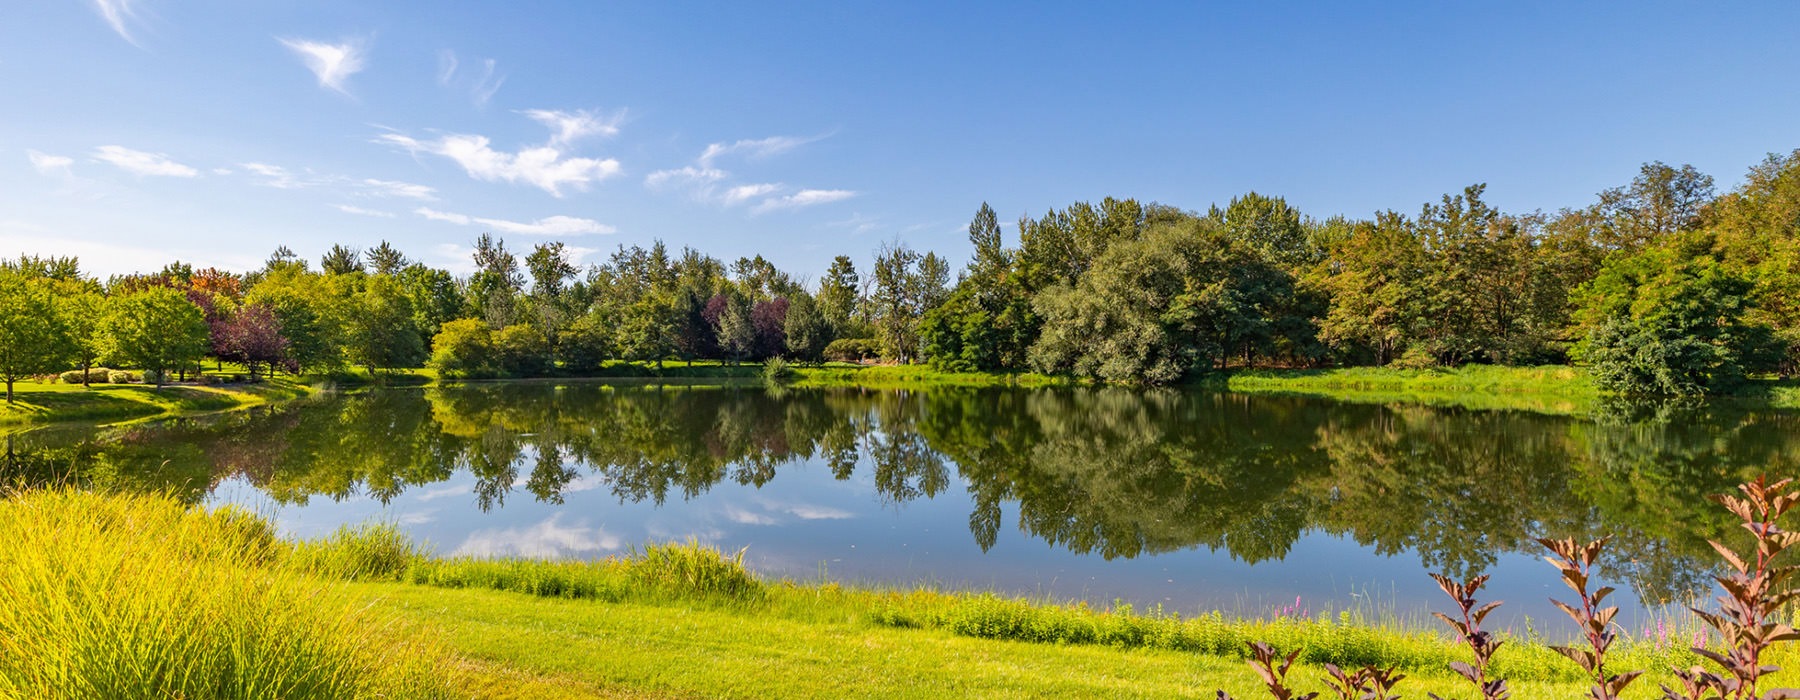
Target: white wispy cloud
[(118, 13), (332, 63), (803, 198), (683, 176), (47, 164), (446, 67), (707, 182), (547, 226), (487, 85), (743, 193), (544, 167), (754, 148), (857, 224), (550, 538), (276, 176), (481, 88), (568, 127), (805, 511), (348, 209), (142, 163), (744, 517), (395, 188)]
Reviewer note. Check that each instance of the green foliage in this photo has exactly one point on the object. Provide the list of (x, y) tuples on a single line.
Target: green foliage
[(493, 291), (1271, 227), (806, 330), (1670, 320), (313, 312), (157, 330), (585, 345), (97, 375), (522, 351), (382, 333), (465, 348), (852, 349), (33, 336), (1182, 298), (694, 569), (839, 294), (370, 551), (776, 369)]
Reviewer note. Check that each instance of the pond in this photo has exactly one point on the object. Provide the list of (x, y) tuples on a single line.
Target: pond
[(1256, 505)]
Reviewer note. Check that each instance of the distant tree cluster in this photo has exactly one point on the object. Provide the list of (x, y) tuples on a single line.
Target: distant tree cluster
[(1661, 287)]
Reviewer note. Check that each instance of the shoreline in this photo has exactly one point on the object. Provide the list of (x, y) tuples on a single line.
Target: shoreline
[(1551, 390)]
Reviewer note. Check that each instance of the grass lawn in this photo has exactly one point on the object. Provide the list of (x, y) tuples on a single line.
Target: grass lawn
[(34, 402), (519, 646)]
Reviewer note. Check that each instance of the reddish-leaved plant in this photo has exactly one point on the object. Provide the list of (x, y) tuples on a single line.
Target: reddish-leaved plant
[(1755, 590), (1468, 631), (1576, 562)]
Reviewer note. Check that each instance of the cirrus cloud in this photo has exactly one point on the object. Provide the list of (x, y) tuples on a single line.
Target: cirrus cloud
[(803, 198), (547, 226), (544, 167), (567, 127), (47, 164), (332, 63), (142, 162)]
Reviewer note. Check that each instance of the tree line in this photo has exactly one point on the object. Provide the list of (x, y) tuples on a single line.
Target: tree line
[(1661, 286)]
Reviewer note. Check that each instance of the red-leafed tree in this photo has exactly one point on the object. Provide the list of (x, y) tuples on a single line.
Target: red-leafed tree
[(253, 337), (769, 319)]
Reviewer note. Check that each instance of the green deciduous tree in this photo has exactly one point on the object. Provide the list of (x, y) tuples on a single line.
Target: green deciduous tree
[(1183, 297), (840, 295), (1670, 320), (805, 329), (155, 330), (341, 261), (34, 337), (382, 334), (385, 259), (494, 288), (464, 348)]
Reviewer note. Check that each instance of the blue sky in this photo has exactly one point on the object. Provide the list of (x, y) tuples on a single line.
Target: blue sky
[(138, 131)]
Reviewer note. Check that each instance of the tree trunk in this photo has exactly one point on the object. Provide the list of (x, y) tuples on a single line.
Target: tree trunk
[(86, 366), (9, 382)]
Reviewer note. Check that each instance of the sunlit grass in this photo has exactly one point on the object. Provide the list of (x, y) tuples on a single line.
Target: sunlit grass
[(41, 402), (141, 597)]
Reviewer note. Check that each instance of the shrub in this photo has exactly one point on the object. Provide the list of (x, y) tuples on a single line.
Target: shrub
[(776, 369), (852, 349), (464, 348), (97, 375), (139, 596), (584, 346), (370, 551), (151, 376), (695, 569), (119, 376), (522, 351)]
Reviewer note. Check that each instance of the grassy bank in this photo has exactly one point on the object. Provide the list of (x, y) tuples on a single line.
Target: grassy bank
[(154, 599), (38, 403), (1556, 389), (1549, 389), (141, 597)]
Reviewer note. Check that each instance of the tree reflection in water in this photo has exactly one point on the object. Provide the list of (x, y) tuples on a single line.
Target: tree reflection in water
[(1115, 472)]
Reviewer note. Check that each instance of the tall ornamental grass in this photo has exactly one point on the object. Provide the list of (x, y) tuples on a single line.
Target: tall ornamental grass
[(139, 596)]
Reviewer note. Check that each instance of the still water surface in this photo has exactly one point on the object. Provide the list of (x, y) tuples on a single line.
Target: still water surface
[(1192, 500)]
